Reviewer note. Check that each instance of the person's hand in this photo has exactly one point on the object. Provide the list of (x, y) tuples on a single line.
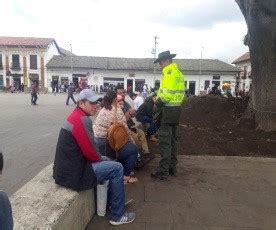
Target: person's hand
[(159, 102), (132, 112), (132, 140)]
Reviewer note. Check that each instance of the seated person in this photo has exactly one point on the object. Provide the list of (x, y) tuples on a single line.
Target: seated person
[(137, 134), (79, 166), (120, 91), (6, 220), (145, 115), (128, 154), (138, 100)]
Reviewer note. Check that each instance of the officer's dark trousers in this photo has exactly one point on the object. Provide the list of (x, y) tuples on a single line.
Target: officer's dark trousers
[(168, 147)]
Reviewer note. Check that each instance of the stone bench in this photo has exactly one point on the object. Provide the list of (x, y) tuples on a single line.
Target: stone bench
[(41, 204)]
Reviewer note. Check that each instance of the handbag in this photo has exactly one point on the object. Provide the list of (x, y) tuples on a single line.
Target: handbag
[(117, 134)]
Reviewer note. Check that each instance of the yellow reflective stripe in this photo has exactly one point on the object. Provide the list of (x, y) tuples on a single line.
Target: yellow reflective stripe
[(163, 99), (174, 104)]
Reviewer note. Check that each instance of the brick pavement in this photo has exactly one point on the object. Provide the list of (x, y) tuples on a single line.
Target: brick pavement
[(210, 193)]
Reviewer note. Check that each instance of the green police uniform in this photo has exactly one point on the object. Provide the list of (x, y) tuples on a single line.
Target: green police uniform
[(170, 96)]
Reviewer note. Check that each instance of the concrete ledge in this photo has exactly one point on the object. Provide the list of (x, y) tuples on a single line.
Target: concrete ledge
[(41, 204)]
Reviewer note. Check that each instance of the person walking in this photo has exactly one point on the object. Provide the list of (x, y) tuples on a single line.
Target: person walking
[(22, 87), (34, 90), (70, 92), (169, 99)]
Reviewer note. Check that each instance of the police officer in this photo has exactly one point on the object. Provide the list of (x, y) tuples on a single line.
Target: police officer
[(169, 99)]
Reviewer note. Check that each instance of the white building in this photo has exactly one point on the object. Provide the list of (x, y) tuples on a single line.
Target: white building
[(244, 79), (134, 72), (23, 60)]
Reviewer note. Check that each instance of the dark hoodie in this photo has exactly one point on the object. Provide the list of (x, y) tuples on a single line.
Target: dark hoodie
[(146, 109)]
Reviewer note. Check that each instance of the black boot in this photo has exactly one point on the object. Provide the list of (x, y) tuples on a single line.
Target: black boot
[(159, 176)]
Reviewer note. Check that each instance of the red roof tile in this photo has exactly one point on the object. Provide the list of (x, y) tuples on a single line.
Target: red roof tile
[(25, 41)]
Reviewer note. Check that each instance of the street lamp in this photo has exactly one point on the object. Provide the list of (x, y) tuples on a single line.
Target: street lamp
[(200, 68), (71, 63), (154, 55)]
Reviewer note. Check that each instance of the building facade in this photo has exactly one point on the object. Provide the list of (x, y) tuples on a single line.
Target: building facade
[(101, 72), (244, 79), (23, 60)]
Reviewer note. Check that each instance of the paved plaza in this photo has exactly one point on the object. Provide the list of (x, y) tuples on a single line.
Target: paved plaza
[(210, 193), (28, 135)]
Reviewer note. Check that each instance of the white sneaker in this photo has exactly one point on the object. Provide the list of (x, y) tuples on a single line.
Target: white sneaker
[(128, 217)]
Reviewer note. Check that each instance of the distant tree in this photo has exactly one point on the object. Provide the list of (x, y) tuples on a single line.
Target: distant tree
[(260, 17)]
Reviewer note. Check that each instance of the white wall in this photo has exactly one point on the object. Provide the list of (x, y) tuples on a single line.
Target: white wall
[(96, 77), (246, 82), (47, 54), (51, 51)]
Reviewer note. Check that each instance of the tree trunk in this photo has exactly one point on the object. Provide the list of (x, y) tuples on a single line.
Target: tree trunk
[(260, 16)]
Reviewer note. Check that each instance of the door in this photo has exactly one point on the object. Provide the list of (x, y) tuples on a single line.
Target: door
[(129, 85), (139, 85), (8, 83), (17, 82), (192, 85), (216, 83), (76, 82)]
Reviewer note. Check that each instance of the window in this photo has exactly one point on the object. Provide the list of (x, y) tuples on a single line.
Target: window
[(206, 85), (64, 80), (33, 62), (157, 84), (34, 77), (15, 61), (1, 64), (216, 77), (139, 85)]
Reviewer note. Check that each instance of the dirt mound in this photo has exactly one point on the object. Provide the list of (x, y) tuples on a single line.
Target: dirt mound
[(212, 111), (213, 125)]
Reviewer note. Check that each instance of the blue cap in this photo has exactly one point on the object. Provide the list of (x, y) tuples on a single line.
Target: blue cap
[(88, 94)]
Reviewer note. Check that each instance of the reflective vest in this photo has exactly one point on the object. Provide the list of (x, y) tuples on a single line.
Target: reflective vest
[(172, 87)]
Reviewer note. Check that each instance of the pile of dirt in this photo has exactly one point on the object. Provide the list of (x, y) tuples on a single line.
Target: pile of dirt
[(213, 125)]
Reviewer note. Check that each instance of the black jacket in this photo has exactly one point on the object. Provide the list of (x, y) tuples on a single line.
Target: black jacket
[(72, 169), (146, 109)]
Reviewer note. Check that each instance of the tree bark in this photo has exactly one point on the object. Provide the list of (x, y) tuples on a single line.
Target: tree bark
[(260, 17)]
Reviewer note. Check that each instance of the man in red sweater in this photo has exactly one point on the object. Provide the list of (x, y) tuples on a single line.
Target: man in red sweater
[(78, 164)]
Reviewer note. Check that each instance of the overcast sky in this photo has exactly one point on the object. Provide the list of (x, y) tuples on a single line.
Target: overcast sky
[(126, 28)]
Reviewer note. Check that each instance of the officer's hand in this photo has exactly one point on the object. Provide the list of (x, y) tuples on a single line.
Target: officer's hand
[(159, 102)]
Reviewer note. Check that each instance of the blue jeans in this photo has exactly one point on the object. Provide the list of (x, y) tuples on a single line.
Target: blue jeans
[(6, 221), (145, 119), (127, 155), (112, 171)]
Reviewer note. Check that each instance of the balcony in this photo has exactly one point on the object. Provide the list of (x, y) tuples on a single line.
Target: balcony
[(15, 66)]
